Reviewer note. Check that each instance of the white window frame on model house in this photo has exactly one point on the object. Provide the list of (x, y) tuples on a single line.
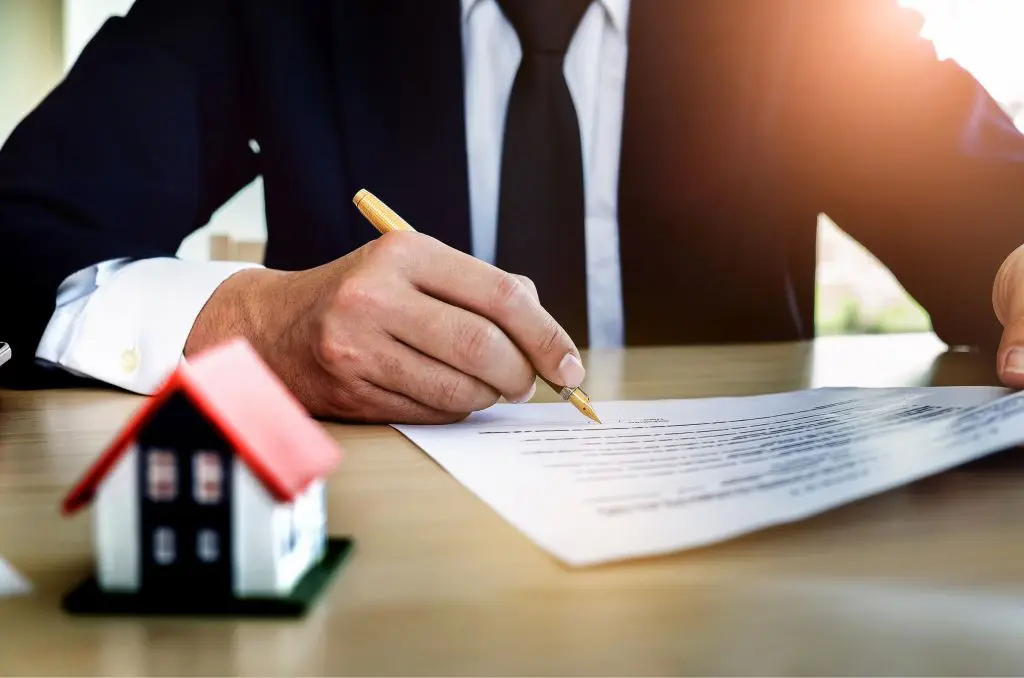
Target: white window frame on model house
[(161, 474), (164, 546), (207, 477), (208, 545)]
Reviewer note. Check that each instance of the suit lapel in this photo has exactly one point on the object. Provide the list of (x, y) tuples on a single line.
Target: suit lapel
[(401, 105)]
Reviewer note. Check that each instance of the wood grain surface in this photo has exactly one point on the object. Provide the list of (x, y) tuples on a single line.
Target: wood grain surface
[(924, 580)]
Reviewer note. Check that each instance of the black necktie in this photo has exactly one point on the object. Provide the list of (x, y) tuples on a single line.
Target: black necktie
[(541, 205)]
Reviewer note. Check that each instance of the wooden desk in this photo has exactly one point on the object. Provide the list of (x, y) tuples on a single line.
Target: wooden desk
[(924, 580)]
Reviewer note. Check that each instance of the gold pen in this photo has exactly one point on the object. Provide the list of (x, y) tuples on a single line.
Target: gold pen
[(384, 219)]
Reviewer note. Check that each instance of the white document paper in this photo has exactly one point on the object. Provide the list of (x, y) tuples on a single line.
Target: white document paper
[(666, 475), (11, 582)]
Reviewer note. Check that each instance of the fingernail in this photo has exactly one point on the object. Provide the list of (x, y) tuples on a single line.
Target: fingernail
[(526, 398), (1014, 361), (571, 371)]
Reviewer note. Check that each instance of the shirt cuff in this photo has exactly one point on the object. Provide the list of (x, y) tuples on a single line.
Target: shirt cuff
[(126, 322)]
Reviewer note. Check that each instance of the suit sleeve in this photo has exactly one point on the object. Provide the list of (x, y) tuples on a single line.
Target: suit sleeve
[(135, 149), (908, 154)]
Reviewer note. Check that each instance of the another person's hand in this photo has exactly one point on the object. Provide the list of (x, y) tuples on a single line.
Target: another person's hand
[(403, 330), (1008, 303)]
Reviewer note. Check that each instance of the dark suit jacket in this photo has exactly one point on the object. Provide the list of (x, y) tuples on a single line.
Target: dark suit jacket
[(744, 119)]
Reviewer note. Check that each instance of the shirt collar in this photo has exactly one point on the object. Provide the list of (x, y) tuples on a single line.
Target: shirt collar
[(617, 11)]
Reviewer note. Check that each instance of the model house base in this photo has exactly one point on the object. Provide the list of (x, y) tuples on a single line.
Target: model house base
[(89, 599)]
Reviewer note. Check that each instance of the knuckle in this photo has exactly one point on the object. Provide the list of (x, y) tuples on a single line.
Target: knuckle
[(550, 338), (327, 350), (452, 394), (354, 294), (508, 291), (464, 394), (478, 342), (395, 246), (531, 288), (337, 354)]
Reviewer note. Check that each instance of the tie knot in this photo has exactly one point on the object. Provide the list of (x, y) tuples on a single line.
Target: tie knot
[(544, 25)]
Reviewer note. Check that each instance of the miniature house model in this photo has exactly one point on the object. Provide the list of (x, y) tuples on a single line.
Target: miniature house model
[(212, 494)]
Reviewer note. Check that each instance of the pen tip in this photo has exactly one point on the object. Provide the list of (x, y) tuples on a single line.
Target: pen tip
[(582, 403)]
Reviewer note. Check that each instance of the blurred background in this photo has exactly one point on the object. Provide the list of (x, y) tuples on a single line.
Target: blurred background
[(40, 39)]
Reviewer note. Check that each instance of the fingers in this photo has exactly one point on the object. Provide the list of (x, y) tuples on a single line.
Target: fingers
[(503, 298), (465, 343), (1007, 301), (396, 367), (342, 391), (356, 354), (1010, 356), (1008, 304), (514, 306), (361, 401)]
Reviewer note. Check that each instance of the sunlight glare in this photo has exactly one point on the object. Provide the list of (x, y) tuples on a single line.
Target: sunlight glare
[(983, 36)]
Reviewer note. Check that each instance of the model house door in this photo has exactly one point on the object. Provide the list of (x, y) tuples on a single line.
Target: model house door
[(185, 504)]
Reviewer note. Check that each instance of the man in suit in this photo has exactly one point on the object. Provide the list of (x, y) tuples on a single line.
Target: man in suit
[(582, 173)]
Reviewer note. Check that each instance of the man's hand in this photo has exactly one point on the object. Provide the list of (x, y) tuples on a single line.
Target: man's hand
[(1008, 303), (403, 330)]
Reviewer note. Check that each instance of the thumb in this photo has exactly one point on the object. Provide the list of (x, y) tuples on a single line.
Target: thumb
[(1008, 304)]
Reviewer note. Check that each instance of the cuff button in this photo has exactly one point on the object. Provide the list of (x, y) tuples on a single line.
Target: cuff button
[(130, 361)]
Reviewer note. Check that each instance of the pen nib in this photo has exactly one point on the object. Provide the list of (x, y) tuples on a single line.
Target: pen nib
[(588, 411), (579, 399)]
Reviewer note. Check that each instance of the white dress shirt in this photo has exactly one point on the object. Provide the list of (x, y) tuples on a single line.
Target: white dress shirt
[(126, 322)]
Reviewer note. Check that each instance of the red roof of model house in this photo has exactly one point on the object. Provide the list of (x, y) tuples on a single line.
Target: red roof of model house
[(270, 430)]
